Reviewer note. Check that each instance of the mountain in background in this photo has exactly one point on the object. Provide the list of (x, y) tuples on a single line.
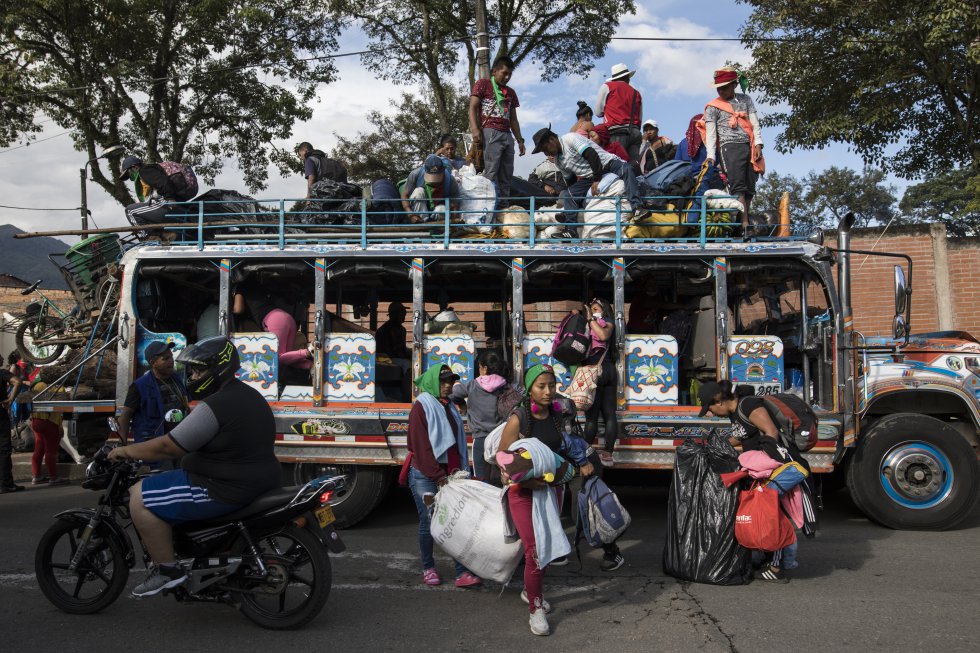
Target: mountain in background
[(27, 258)]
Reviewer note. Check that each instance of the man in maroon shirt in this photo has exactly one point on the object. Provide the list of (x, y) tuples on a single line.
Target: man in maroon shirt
[(493, 123)]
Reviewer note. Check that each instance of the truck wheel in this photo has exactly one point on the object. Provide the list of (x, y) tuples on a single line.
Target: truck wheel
[(367, 485), (914, 472)]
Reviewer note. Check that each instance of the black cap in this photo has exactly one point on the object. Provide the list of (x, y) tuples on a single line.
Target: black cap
[(128, 163), (157, 347), (540, 137), (446, 374), (706, 396)]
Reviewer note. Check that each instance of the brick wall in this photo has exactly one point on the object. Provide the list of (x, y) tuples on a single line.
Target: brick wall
[(939, 287)]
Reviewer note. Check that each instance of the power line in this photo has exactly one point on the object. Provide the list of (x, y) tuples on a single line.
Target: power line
[(40, 140), (34, 208)]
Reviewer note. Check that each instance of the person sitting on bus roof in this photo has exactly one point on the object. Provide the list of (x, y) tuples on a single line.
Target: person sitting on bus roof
[(581, 160), (427, 188), (599, 135), (692, 148), (584, 124), (447, 150), (655, 149)]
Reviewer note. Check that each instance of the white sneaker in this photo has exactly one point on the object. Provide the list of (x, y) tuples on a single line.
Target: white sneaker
[(539, 623), (544, 604)]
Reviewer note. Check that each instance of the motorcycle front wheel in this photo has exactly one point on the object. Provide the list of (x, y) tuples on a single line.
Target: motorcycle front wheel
[(297, 583), (99, 578)]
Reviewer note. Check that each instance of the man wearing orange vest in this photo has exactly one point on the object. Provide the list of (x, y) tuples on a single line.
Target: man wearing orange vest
[(621, 107), (732, 133)]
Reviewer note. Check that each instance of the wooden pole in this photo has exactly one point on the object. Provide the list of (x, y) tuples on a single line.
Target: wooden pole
[(482, 39), (127, 230), (784, 224)]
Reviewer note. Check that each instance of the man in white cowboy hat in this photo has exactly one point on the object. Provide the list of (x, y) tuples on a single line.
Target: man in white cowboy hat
[(621, 107)]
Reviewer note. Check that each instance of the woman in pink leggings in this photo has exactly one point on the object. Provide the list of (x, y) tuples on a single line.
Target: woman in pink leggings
[(47, 436), (535, 417), (252, 300)]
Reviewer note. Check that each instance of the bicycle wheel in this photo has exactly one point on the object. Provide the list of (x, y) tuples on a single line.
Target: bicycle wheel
[(38, 355)]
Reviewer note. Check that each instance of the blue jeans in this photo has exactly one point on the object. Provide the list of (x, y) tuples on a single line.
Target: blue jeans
[(420, 485), (481, 470), (625, 172)]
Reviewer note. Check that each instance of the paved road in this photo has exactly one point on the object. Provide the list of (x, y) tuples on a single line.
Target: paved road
[(860, 586)]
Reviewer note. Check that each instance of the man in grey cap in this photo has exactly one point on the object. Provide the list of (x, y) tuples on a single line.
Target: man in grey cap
[(153, 396), (427, 189)]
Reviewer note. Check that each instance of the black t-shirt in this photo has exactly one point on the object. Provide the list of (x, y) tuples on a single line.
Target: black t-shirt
[(230, 445), (5, 376), (546, 430)]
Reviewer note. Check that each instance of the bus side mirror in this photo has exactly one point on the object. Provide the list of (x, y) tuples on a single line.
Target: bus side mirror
[(899, 327), (901, 293)]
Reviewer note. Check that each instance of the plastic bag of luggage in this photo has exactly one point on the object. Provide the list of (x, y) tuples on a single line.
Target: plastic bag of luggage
[(222, 205), (477, 198), (700, 544), (333, 202), (521, 191)]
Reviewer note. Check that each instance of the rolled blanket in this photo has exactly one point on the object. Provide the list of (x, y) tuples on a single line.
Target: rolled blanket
[(519, 467)]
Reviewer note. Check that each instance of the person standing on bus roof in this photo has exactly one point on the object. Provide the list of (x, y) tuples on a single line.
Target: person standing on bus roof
[(621, 107), (494, 124), (733, 134)]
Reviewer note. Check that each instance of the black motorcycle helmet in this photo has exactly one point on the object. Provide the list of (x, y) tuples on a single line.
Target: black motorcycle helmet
[(208, 364)]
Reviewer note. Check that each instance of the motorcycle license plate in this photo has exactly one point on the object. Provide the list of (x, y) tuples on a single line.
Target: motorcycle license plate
[(324, 516)]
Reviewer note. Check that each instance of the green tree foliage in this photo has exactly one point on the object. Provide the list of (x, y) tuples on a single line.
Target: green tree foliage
[(899, 81), (821, 199), (951, 198), (398, 142), (426, 40), (199, 82)]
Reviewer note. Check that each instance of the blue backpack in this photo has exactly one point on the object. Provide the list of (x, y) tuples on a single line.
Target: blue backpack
[(660, 178), (601, 517)]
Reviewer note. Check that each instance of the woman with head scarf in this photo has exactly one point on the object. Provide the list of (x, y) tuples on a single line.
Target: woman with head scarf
[(600, 136), (437, 446), (692, 148)]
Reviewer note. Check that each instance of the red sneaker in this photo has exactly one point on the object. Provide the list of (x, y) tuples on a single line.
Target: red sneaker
[(466, 579)]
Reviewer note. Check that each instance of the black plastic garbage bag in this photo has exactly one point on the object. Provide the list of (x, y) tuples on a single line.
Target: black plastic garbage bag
[(700, 544), (333, 203)]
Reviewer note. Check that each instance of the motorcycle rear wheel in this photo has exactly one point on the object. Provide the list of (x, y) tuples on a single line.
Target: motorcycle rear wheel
[(304, 560), (103, 571), (31, 353)]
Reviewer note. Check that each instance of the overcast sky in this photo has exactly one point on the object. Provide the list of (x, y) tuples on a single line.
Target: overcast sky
[(674, 78)]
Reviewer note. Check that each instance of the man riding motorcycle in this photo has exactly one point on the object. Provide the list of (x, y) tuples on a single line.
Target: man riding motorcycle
[(225, 446)]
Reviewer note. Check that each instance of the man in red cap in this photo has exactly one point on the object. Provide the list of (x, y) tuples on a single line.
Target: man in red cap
[(732, 133)]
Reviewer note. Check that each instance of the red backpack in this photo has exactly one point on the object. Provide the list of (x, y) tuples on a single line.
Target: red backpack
[(795, 419), (182, 177), (573, 340)]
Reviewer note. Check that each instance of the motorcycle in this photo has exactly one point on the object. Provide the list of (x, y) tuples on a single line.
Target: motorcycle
[(269, 559)]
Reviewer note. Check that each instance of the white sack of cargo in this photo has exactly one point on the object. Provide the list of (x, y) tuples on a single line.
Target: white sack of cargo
[(599, 215)]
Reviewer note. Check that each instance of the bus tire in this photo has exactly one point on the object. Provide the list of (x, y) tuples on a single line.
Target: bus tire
[(367, 485), (914, 472)]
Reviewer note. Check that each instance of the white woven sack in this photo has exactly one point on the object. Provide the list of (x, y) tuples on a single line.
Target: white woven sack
[(468, 523), (599, 215)]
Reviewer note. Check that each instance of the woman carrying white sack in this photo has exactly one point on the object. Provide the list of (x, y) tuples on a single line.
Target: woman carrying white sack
[(531, 506)]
